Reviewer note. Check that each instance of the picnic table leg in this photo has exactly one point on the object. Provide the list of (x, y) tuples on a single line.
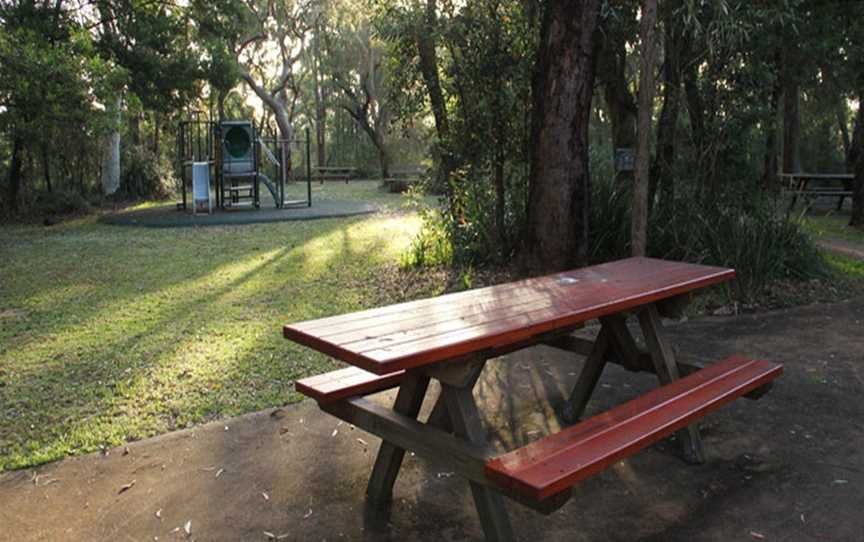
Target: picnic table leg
[(466, 423), (667, 370), (409, 399), (439, 417), (575, 405)]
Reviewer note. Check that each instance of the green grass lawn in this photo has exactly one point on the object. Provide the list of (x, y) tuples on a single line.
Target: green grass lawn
[(833, 225), (110, 334)]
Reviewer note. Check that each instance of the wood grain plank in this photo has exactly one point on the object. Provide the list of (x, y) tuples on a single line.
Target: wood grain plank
[(411, 335), (343, 383), (559, 461)]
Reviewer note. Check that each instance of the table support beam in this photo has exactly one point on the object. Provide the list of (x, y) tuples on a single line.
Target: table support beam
[(412, 390), (666, 367), (575, 405), (466, 424)]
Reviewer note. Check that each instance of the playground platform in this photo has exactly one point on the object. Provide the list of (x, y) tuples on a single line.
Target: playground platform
[(168, 216)]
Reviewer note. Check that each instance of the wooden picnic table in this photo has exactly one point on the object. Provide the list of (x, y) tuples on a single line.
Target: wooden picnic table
[(337, 173), (449, 338), (799, 184)]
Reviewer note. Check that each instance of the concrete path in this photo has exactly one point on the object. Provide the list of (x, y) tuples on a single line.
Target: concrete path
[(843, 247), (789, 467)]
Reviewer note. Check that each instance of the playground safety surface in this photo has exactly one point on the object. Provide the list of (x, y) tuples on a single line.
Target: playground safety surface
[(168, 216), (789, 468)]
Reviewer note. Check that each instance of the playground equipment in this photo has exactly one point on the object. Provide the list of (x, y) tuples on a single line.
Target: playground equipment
[(225, 160)]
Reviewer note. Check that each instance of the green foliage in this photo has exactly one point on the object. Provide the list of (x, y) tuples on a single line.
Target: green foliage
[(144, 173), (59, 203), (748, 233), (431, 247)]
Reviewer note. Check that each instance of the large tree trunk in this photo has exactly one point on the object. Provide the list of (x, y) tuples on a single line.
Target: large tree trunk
[(429, 68), (277, 106), (320, 111), (769, 168), (111, 157), (663, 170), (559, 191), (13, 186), (791, 115), (612, 73), (639, 223), (46, 165), (426, 49), (857, 219)]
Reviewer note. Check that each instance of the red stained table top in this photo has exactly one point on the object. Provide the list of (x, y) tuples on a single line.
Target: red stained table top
[(428, 331)]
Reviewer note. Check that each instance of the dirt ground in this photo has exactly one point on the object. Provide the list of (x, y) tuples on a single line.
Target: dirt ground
[(788, 467)]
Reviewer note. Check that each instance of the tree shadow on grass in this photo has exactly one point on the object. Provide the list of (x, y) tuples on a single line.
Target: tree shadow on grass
[(145, 378)]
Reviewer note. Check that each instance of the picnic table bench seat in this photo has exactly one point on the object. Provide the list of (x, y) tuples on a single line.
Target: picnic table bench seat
[(555, 463), (552, 465), (344, 383)]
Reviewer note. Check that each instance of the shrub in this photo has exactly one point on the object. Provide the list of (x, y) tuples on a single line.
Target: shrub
[(59, 202), (146, 174), (745, 231)]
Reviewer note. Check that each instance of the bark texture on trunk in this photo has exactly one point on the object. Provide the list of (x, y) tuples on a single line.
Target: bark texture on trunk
[(663, 170), (559, 192), (620, 103), (639, 222), (791, 113), (426, 49), (14, 181), (769, 168), (320, 110), (111, 159), (857, 219)]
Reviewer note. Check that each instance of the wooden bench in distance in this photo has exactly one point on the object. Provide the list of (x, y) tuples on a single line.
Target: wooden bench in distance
[(335, 173), (401, 178), (555, 463), (344, 383)]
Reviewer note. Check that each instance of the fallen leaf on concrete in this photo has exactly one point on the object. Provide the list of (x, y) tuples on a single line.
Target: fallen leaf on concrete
[(265, 495), (307, 514), (754, 534), (188, 527), (126, 487)]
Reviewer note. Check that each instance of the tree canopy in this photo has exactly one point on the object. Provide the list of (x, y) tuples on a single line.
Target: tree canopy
[(519, 106)]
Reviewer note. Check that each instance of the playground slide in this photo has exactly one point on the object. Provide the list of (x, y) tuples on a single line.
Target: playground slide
[(271, 187), (266, 180)]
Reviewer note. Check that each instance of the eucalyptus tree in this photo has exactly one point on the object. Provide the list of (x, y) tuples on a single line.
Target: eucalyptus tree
[(354, 60), (49, 77), (269, 52), (560, 182)]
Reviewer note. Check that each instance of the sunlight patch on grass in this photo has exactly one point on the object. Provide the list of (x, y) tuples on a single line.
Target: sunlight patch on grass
[(110, 334), (850, 267)]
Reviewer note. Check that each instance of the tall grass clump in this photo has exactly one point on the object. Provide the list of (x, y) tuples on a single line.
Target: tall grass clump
[(746, 231)]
